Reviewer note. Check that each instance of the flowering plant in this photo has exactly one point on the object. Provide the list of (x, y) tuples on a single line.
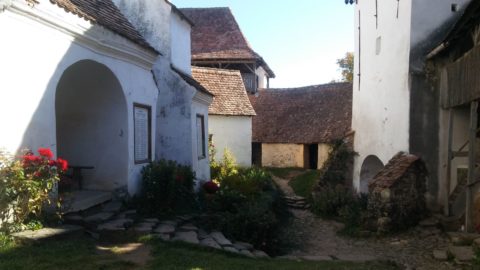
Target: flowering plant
[(210, 187), (26, 183)]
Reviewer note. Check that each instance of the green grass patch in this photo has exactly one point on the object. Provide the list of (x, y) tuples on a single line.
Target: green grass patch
[(282, 172), (79, 253), (303, 184), (72, 254), (178, 256)]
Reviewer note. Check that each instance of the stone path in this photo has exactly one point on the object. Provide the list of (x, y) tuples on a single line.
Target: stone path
[(317, 239)]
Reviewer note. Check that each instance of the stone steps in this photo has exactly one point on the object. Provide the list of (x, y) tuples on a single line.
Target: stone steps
[(297, 202), (461, 249)]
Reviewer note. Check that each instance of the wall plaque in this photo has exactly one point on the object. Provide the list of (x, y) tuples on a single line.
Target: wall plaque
[(142, 133)]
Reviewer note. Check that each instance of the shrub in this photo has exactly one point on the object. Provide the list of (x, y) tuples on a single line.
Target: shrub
[(336, 169), (225, 168), (167, 188), (247, 207), (339, 202), (26, 184)]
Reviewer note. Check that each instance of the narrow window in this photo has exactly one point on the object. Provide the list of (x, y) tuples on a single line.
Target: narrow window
[(142, 126), (376, 14), (201, 151)]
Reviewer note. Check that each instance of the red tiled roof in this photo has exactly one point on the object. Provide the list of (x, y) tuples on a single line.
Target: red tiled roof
[(311, 114), (227, 86), (394, 170), (104, 13), (216, 35), (190, 80)]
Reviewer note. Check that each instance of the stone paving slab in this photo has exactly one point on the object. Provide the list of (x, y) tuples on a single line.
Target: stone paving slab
[(99, 217), (462, 253), (230, 249), (246, 253), (188, 227), (189, 237), (441, 255), (113, 206), (46, 233), (260, 254), (209, 242), (242, 246), (220, 238), (165, 228)]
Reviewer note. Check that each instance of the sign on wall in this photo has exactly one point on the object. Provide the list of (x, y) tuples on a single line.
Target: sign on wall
[(142, 133)]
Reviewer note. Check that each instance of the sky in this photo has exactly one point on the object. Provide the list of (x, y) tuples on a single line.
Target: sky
[(299, 39)]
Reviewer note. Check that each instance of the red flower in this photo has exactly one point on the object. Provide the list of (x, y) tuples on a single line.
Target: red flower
[(210, 187), (52, 163), (179, 178), (62, 164), (45, 152), (30, 160)]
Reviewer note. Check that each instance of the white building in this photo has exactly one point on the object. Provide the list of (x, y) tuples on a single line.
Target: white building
[(94, 90), (230, 114), (393, 107)]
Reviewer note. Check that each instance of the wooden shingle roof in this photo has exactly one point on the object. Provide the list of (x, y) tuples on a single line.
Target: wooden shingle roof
[(311, 114), (106, 14), (230, 96), (216, 36)]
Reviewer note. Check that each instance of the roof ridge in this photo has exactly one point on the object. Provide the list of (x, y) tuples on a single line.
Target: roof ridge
[(307, 87), (216, 70)]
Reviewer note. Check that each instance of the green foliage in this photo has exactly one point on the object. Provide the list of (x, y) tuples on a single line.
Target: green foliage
[(346, 66), (338, 202), (283, 172), (338, 164), (225, 168), (303, 184), (167, 188), (247, 207), (25, 187), (6, 242)]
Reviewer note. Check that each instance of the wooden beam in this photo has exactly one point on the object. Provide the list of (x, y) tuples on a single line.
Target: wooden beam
[(460, 154), (448, 172), (471, 164)]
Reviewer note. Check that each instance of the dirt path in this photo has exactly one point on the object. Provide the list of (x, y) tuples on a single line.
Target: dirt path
[(317, 239)]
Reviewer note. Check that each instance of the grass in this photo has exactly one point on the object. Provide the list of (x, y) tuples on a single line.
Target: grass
[(71, 254), (178, 256), (282, 172), (303, 184), (79, 253)]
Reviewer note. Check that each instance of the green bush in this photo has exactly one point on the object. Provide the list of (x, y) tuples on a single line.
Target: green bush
[(167, 188), (339, 202), (248, 207)]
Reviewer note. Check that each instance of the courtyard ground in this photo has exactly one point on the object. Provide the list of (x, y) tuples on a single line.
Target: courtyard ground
[(317, 239)]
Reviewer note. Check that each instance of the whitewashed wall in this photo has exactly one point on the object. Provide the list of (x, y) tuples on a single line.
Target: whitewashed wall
[(234, 133), (391, 41), (34, 58), (163, 29), (380, 109), (180, 43)]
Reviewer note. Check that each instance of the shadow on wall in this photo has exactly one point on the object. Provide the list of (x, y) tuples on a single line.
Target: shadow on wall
[(81, 113), (370, 167)]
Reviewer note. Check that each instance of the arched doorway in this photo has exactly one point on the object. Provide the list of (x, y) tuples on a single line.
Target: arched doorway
[(92, 127), (370, 167)]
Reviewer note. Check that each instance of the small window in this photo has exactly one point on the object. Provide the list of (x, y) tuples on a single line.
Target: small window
[(201, 151)]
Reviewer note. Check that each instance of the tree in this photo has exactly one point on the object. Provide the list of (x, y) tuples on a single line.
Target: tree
[(346, 66)]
